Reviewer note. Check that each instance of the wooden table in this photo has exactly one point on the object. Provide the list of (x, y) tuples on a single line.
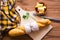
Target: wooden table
[(53, 10)]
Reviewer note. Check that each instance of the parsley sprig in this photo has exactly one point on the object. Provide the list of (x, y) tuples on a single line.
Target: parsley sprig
[(26, 16)]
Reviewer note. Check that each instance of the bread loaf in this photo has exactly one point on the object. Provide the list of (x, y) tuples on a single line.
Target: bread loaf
[(21, 30)]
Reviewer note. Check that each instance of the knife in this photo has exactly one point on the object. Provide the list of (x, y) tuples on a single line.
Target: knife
[(52, 19)]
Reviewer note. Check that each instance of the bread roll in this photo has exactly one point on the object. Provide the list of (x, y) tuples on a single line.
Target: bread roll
[(44, 21), (16, 32)]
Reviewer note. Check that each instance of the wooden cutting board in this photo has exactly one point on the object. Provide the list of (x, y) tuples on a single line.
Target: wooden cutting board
[(38, 35)]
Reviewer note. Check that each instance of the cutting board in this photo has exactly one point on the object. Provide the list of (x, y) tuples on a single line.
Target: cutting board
[(38, 35)]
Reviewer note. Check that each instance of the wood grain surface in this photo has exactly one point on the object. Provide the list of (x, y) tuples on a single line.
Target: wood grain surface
[(53, 10)]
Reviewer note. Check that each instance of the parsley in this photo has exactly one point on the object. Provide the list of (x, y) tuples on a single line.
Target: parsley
[(26, 16)]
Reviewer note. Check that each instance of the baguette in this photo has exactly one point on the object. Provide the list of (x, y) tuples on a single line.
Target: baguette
[(21, 29)]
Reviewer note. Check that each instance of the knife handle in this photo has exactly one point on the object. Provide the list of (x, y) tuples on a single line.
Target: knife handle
[(53, 19)]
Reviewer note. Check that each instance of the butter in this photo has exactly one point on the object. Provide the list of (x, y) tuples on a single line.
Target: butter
[(40, 8)]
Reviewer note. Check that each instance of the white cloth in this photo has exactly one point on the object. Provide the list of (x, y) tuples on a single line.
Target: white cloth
[(34, 26), (30, 23), (27, 28)]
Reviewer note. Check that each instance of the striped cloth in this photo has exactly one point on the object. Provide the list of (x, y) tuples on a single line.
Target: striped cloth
[(6, 22), (8, 17)]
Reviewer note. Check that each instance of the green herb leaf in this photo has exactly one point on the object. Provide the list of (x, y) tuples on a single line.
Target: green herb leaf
[(26, 16)]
